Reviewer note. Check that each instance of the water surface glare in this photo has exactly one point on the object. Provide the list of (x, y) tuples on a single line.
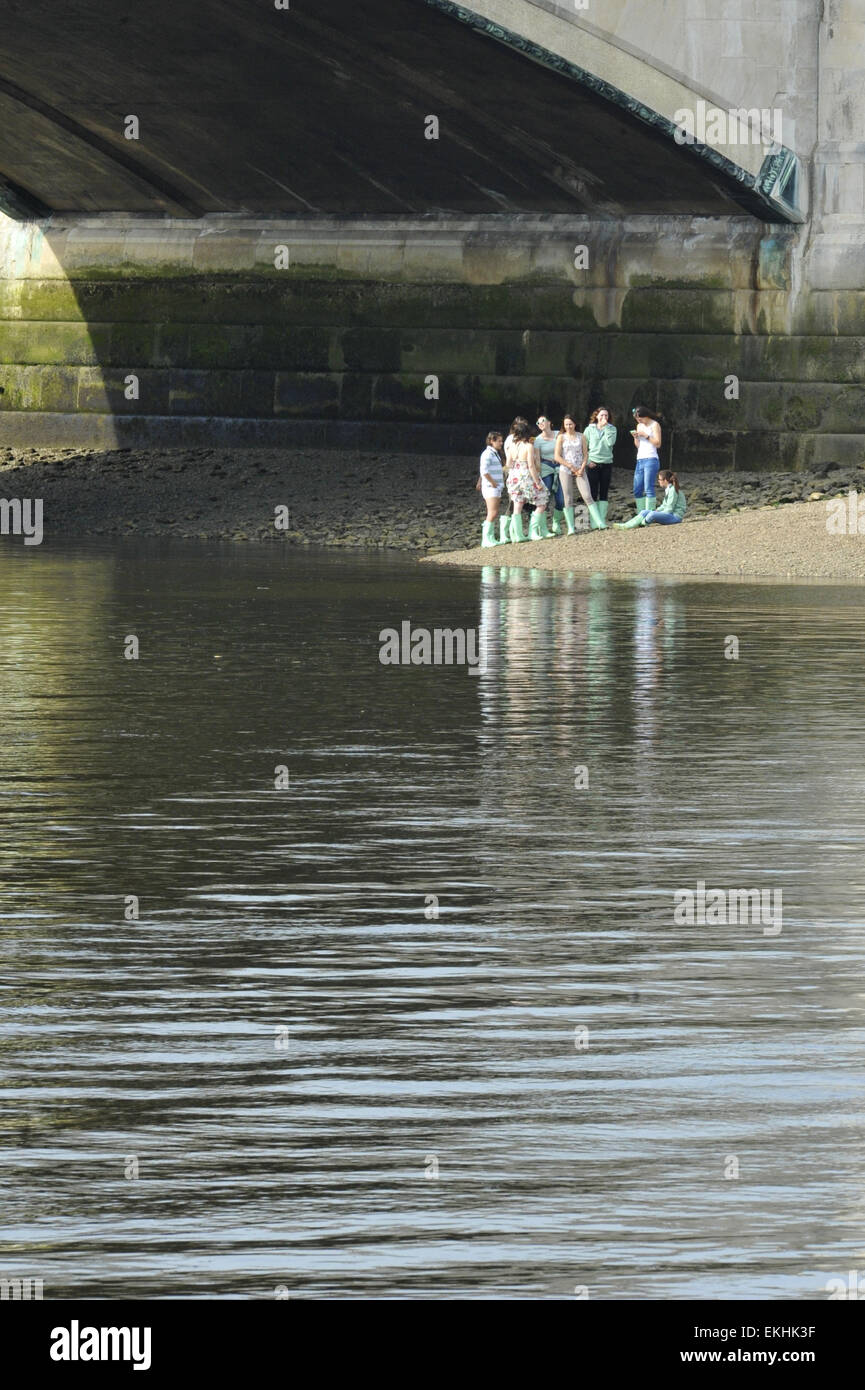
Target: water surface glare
[(295, 1034)]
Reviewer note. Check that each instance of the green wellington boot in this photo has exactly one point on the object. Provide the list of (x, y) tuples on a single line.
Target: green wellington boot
[(651, 504), (595, 518), (641, 503), (504, 529), (602, 508), (569, 521), (543, 529), (556, 528), (534, 520), (488, 534), (638, 520), (517, 532)]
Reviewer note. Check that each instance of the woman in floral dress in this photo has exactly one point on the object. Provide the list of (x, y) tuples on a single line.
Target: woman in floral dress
[(524, 485)]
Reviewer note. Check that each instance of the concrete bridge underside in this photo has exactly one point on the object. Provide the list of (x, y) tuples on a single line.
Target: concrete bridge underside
[(321, 108), (156, 259)]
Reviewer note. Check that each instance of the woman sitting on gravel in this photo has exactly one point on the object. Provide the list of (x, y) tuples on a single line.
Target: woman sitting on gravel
[(525, 485), (671, 510)]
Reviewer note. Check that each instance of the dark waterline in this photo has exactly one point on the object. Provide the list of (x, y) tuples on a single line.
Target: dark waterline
[(299, 1162)]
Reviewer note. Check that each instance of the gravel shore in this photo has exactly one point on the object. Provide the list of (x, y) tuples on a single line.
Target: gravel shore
[(789, 542), (737, 523)]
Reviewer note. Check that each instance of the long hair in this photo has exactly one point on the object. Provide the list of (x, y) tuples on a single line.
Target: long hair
[(668, 473), (593, 418), (643, 414), (569, 415)]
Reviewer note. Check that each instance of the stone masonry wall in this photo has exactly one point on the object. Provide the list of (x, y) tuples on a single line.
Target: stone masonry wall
[(339, 345)]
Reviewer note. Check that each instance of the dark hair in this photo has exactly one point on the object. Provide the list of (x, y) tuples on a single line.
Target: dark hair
[(643, 414), (496, 434), (518, 420), (668, 473), (522, 430), (568, 415)]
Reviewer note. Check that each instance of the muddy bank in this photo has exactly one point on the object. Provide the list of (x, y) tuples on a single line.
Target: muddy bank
[(346, 498)]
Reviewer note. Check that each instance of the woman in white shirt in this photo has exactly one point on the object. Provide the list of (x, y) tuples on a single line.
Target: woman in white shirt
[(647, 438), (491, 482)]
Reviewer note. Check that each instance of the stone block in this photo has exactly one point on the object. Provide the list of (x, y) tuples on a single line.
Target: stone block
[(203, 392), (105, 391), (450, 350), (256, 393), (370, 349), (312, 394), (54, 343), (355, 399)]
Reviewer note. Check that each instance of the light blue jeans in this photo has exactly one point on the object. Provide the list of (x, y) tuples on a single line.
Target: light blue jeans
[(646, 475), (665, 518)]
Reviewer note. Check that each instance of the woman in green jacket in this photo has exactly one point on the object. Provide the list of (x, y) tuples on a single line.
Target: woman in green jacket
[(671, 510), (600, 435)]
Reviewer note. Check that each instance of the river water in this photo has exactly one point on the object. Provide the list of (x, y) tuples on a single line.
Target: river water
[(422, 1022)]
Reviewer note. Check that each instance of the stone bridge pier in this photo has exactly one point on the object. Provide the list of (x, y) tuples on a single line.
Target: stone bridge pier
[(400, 223)]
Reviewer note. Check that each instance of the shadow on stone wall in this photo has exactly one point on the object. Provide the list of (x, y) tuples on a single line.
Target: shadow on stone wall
[(118, 332)]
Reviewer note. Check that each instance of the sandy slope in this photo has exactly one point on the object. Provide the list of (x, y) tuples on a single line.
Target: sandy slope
[(791, 541)]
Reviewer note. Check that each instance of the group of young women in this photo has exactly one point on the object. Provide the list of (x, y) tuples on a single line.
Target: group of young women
[(537, 467)]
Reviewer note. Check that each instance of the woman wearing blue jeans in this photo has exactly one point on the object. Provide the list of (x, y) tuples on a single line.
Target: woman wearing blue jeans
[(647, 438)]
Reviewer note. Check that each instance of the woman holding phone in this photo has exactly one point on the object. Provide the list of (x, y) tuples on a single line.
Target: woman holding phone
[(647, 440)]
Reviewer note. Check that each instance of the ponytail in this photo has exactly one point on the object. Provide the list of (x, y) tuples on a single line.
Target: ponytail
[(668, 473)]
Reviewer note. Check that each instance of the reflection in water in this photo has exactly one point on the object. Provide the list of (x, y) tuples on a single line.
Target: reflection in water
[(328, 987)]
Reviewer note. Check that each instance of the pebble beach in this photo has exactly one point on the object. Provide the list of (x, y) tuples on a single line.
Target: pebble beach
[(772, 524)]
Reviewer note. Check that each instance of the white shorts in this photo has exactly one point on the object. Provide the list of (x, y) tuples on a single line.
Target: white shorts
[(487, 491)]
